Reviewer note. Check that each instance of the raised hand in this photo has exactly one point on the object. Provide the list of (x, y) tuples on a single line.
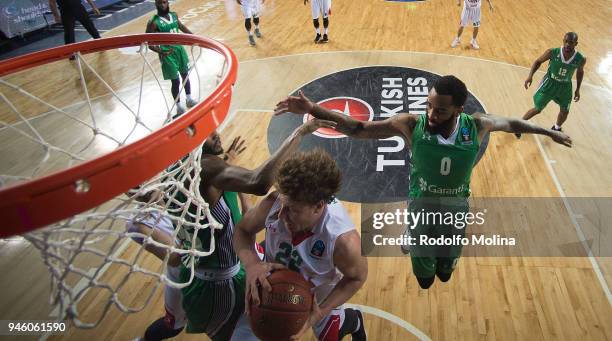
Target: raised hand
[(296, 104), (235, 149), (561, 138)]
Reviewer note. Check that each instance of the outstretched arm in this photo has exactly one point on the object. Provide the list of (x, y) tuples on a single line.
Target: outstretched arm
[(220, 174), (491, 123), (398, 125), (579, 76), (536, 65)]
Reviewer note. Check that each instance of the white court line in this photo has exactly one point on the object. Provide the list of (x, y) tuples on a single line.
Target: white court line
[(573, 216), (390, 317), (416, 52)]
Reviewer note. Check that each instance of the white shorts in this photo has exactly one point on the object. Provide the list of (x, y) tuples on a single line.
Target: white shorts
[(320, 7), (470, 15), (328, 329), (250, 8)]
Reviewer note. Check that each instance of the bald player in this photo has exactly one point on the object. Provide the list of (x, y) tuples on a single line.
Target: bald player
[(557, 83), (320, 7)]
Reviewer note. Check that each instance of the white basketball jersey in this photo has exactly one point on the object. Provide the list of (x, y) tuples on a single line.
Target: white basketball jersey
[(472, 3), (312, 253)]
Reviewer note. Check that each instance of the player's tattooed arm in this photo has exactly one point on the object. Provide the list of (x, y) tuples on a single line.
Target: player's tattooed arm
[(398, 125), (536, 65), (491, 123)]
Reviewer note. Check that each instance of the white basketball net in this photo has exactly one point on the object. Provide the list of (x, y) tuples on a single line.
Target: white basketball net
[(92, 256)]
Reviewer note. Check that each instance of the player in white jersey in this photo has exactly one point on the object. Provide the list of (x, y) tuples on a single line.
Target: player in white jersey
[(310, 232), (250, 9), (470, 14), (320, 7)]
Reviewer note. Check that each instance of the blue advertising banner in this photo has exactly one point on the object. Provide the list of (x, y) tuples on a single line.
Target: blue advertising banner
[(18, 17)]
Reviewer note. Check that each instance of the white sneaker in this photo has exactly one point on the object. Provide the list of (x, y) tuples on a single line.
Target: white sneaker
[(456, 42), (475, 44), (179, 109), (191, 103)]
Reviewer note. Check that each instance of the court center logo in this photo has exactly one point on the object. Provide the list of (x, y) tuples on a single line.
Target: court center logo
[(349, 106), (373, 171)]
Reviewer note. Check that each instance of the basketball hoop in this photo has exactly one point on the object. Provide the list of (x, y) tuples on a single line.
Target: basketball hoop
[(40, 202), (78, 214)]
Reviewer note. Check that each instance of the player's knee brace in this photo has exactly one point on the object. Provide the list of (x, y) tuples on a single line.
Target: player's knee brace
[(315, 22), (425, 282), (256, 20), (247, 24), (325, 22), (158, 330)]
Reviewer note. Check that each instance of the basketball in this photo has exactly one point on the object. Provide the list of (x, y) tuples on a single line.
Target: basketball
[(284, 310)]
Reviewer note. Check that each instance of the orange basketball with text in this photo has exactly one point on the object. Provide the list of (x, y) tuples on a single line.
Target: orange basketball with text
[(283, 311)]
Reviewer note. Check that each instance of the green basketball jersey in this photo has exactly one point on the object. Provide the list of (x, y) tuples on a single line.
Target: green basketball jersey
[(227, 212), (439, 169), (562, 70), (166, 25)]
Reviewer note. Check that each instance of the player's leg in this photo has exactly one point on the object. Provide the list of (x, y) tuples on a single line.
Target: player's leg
[(339, 323), (256, 10), (68, 21), (83, 17), (247, 12), (256, 22), (183, 66), (314, 8), (462, 23), (540, 100), (424, 269), (175, 320), (474, 35), (325, 5), (564, 99), (445, 268)]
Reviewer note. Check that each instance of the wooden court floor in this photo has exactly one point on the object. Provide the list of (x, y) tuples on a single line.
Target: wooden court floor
[(488, 298)]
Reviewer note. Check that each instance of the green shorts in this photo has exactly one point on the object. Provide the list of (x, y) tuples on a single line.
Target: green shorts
[(174, 63), (560, 93), (213, 307), (427, 260)]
